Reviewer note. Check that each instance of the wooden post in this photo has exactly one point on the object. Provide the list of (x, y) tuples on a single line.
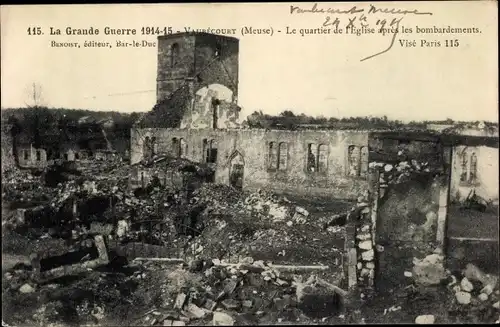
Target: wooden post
[(444, 197)]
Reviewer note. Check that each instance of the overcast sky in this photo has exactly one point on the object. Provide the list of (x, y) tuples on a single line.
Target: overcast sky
[(313, 74)]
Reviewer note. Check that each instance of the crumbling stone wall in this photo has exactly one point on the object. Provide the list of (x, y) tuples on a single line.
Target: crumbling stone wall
[(197, 82), (253, 145), (214, 58), (213, 106), (29, 157), (399, 218), (359, 246), (143, 176)]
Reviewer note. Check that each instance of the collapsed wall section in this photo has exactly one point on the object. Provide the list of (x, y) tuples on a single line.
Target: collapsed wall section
[(400, 217)]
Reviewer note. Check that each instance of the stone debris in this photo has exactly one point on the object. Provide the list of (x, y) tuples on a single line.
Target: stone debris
[(473, 273), (466, 285), (195, 311), (425, 319), (430, 270), (222, 319), (483, 297), (212, 290), (26, 288), (179, 301), (488, 289), (463, 297)]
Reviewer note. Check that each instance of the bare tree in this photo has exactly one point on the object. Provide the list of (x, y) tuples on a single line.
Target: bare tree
[(34, 96)]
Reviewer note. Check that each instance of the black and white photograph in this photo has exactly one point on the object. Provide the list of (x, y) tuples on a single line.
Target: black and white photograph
[(227, 164)]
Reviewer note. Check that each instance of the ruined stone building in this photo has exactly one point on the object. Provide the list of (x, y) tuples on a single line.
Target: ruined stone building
[(196, 117)]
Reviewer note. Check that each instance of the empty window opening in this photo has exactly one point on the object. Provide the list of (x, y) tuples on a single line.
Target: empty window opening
[(174, 55), (473, 168), (464, 165), (211, 156), (353, 165), (147, 151), (26, 154), (312, 152), (183, 148), (283, 156), (322, 158), (273, 155)]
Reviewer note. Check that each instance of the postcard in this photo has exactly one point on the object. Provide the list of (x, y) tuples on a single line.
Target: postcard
[(250, 163)]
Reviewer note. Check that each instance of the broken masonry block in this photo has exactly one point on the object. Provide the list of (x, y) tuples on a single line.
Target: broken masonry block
[(72, 263)]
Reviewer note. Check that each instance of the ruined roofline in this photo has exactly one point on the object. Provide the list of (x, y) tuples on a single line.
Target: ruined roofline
[(259, 129), (194, 33)]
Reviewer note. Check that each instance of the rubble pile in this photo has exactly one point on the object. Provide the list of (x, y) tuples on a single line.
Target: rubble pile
[(475, 288), (86, 300), (26, 190), (114, 167), (391, 173), (213, 292), (201, 292), (234, 225), (471, 296)]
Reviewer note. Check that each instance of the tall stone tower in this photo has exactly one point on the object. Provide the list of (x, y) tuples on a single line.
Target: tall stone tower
[(198, 59), (196, 83)]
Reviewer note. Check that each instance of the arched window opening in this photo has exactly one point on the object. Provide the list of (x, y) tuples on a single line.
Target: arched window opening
[(464, 164), (473, 168), (183, 148), (212, 152), (353, 160), (322, 158), (146, 148), (312, 151), (283, 156), (273, 155), (174, 54)]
